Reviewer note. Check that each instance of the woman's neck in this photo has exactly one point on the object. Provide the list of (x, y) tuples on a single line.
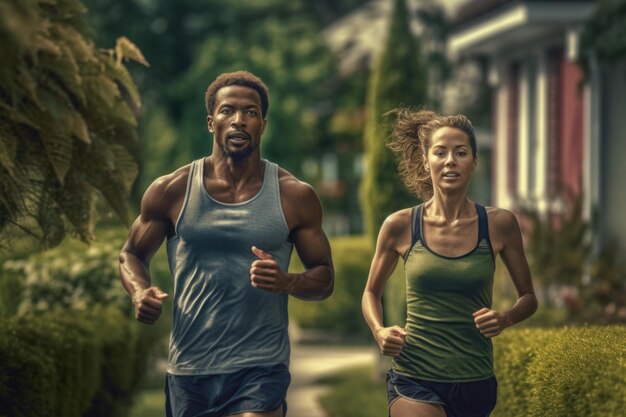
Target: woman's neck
[(449, 207)]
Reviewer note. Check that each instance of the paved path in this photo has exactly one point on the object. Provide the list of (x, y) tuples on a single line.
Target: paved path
[(309, 363)]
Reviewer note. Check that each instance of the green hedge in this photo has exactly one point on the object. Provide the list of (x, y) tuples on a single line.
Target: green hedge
[(341, 312), (352, 257), (562, 372), (70, 363)]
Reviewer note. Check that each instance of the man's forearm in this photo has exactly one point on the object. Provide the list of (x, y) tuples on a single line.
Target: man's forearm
[(313, 284), (134, 274)]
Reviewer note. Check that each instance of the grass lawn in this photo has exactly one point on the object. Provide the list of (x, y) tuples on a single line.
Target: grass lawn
[(149, 403), (355, 393)]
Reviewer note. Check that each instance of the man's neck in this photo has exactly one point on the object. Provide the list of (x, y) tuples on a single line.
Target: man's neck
[(236, 171)]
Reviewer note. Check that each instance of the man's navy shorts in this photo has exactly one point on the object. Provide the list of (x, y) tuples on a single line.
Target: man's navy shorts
[(257, 389), (459, 399)]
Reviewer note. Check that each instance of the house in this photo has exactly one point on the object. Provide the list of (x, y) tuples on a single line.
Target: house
[(555, 132), (356, 40)]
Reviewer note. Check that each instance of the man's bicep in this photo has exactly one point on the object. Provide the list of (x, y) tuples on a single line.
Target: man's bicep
[(312, 246), (307, 236), (148, 231), (310, 240), (145, 237)]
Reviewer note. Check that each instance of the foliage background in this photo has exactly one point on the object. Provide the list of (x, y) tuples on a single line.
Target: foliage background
[(73, 139), (399, 78), (67, 123)]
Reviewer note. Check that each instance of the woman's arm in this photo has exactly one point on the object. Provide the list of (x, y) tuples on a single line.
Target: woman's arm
[(509, 237), (393, 240)]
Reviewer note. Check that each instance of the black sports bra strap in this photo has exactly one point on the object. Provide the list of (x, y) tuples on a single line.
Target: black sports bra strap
[(483, 224), (416, 217)]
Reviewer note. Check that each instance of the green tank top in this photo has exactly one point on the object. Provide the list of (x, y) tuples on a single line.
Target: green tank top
[(443, 343)]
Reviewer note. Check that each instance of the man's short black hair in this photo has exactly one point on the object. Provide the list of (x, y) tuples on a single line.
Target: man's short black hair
[(243, 78)]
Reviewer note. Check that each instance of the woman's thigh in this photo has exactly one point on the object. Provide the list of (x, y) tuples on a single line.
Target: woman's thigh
[(407, 408)]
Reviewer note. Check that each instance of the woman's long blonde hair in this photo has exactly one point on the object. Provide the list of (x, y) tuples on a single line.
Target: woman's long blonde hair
[(410, 140)]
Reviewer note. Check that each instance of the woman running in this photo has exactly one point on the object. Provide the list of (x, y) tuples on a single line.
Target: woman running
[(442, 360)]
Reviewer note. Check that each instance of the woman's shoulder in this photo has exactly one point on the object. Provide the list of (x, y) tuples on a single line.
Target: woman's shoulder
[(400, 218), (502, 220), (398, 221), (395, 232)]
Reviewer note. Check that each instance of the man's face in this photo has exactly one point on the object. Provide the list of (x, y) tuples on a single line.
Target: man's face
[(236, 122)]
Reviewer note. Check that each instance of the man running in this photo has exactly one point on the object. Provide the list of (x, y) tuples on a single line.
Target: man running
[(230, 220)]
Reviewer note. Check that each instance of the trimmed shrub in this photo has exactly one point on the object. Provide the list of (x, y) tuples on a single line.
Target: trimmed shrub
[(589, 380), (560, 372), (352, 257), (70, 363), (514, 350), (563, 372), (341, 312)]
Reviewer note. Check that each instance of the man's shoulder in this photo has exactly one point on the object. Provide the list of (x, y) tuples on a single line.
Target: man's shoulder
[(165, 191), (293, 188), (173, 183), (300, 202)]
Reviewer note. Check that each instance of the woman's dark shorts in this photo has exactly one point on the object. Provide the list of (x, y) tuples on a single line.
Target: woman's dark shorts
[(260, 389), (459, 399)]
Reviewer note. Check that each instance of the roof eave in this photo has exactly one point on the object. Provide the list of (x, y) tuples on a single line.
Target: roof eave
[(500, 29)]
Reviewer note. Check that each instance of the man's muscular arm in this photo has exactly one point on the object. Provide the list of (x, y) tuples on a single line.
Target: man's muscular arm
[(303, 211), (145, 237)]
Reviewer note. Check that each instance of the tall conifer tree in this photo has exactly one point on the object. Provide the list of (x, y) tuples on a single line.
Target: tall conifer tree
[(398, 79)]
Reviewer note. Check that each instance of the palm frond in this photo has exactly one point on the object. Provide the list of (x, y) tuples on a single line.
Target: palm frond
[(125, 50), (125, 165), (67, 122), (58, 145), (78, 127), (8, 147)]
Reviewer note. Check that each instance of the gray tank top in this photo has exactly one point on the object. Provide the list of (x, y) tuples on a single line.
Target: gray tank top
[(220, 322)]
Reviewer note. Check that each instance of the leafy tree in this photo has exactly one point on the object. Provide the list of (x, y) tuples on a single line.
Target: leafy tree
[(434, 35), (283, 50), (67, 122), (399, 78), (191, 41), (604, 35)]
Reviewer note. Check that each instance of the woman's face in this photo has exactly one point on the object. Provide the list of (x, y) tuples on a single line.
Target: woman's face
[(450, 159)]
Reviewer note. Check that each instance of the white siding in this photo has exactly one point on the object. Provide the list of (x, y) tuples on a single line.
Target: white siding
[(522, 138), (541, 108), (501, 197)]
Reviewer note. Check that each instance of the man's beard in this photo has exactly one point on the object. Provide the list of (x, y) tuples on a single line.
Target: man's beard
[(237, 156)]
